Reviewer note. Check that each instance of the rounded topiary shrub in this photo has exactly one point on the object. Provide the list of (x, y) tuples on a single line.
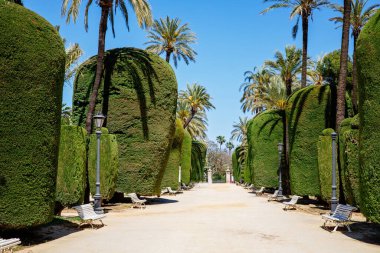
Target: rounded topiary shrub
[(186, 158), (109, 164), (198, 160), (171, 174), (324, 146), (32, 66), (309, 111), (71, 176), (139, 95), (368, 53), (264, 133)]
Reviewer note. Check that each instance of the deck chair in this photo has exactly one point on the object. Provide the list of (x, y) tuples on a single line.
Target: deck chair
[(87, 214), (341, 216), (171, 192), (185, 187), (249, 187), (6, 245), (292, 203), (136, 202), (260, 192), (274, 196)]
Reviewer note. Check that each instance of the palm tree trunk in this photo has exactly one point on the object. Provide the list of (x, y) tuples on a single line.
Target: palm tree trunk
[(168, 56), (285, 171), (288, 84), (99, 67), (340, 112), (305, 32), (354, 94), (193, 112)]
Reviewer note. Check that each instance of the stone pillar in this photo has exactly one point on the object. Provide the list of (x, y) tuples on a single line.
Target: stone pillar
[(228, 176), (209, 176)]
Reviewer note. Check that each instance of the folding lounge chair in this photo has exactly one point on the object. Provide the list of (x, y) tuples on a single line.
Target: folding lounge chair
[(341, 216), (136, 202), (87, 214), (292, 203)]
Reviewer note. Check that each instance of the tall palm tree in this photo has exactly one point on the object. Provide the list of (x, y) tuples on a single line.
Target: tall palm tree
[(239, 131), (70, 8), (302, 9), (169, 37), (288, 66), (359, 17), (73, 53), (229, 146), (198, 126), (220, 139), (341, 90), (197, 98)]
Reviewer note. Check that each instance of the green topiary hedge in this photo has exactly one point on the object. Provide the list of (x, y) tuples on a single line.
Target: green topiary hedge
[(309, 111), (186, 158), (71, 176), (139, 96), (109, 164), (32, 66), (325, 164), (368, 54), (235, 167), (198, 160), (171, 174), (264, 133)]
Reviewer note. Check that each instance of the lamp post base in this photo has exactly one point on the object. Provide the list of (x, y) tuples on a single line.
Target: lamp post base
[(98, 204)]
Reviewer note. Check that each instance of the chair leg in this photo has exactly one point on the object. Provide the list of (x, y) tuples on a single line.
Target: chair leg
[(348, 227), (336, 227), (102, 223)]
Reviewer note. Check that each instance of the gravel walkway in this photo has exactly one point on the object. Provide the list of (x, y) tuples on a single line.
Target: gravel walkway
[(217, 218)]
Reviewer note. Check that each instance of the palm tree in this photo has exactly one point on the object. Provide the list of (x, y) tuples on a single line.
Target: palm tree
[(197, 98), (73, 53), (144, 19), (220, 139), (341, 90), (288, 66), (302, 9), (168, 36), (359, 17), (229, 146), (239, 131), (198, 125), (17, 2)]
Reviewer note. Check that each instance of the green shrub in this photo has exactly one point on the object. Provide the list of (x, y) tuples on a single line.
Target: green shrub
[(109, 164), (264, 133), (198, 160), (235, 167), (368, 53), (325, 165), (171, 173), (32, 66), (309, 111), (71, 175), (139, 95), (186, 158)]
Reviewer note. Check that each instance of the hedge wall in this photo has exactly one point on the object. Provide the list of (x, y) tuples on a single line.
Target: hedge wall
[(186, 158), (139, 95), (171, 173), (264, 133), (198, 160), (71, 175), (32, 66), (368, 54), (309, 111), (324, 146), (235, 166), (109, 164)]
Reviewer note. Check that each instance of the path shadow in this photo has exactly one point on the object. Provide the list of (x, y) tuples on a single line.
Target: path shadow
[(160, 201)]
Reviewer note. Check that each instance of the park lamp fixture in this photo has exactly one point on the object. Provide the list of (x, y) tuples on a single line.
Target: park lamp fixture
[(280, 147), (99, 120)]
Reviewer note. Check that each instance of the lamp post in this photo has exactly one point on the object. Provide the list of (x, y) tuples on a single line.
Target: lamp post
[(280, 147), (334, 201), (98, 119), (179, 177)]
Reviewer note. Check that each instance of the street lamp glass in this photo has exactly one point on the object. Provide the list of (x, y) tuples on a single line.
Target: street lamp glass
[(99, 119), (280, 146)]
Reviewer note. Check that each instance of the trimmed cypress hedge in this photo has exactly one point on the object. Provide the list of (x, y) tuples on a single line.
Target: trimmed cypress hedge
[(309, 111), (171, 173), (109, 164), (139, 95), (368, 54), (71, 175), (235, 166), (32, 66), (324, 146), (186, 158), (198, 160), (264, 133)]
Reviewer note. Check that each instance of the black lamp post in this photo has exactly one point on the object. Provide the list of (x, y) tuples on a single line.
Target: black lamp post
[(98, 119), (280, 147), (334, 200)]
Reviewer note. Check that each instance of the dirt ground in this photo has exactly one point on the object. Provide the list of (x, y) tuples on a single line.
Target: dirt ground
[(209, 218)]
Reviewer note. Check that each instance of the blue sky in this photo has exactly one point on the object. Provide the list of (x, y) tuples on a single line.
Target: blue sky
[(232, 38)]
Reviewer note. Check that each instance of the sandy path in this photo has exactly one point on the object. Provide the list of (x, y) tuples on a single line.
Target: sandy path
[(218, 218)]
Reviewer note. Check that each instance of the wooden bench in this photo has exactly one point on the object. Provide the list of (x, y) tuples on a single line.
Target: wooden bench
[(292, 203), (341, 216), (8, 244), (136, 202), (87, 214)]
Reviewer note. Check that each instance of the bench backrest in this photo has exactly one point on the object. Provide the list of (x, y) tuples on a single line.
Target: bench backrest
[(275, 194), (294, 200), (5, 243), (85, 211), (343, 212), (261, 189), (134, 197), (170, 189)]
